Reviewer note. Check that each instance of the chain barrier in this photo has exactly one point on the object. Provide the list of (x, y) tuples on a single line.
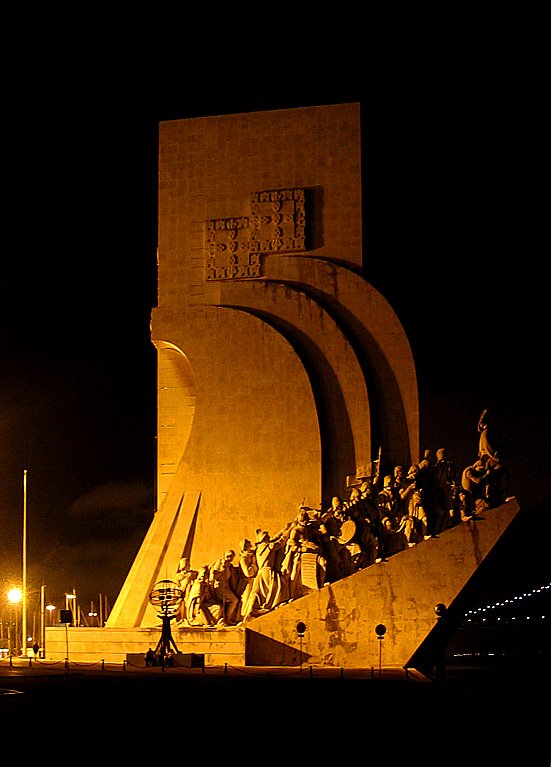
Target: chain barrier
[(19, 661), (228, 669)]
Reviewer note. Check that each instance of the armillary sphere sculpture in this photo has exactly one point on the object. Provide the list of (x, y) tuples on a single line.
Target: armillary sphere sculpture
[(166, 597)]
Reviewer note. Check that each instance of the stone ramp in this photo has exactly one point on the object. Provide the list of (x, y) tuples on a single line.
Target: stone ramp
[(340, 619), (400, 594)]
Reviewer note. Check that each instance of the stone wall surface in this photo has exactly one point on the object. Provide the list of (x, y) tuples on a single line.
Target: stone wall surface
[(94, 645)]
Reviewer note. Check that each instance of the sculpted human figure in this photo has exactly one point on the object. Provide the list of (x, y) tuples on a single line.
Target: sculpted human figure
[(267, 590), (224, 584), (363, 545), (492, 449), (412, 495), (330, 528), (290, 565), (368, 489), (184, 578), (463, 507), (396, 527), (200, 600), (427, 462), (400, 482), (474, 481), (338, 509), (489, 441), (426, 484), (305, 543), (248, 569), (445, 487)]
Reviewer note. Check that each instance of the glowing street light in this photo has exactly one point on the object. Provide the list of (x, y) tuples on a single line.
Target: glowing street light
[(93, 612), (71, 604), (15, 596), (50, 609)]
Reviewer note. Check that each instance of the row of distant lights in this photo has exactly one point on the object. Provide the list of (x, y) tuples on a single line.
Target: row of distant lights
[(507, 602)]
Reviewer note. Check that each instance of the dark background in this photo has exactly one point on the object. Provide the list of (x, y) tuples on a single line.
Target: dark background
[(454, 170)]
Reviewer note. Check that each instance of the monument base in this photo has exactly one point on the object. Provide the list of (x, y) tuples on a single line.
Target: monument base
[(91, 645), (417, 596)]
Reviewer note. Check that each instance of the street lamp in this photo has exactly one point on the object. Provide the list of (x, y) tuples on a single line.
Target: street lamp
[(71, 604), (93, 613), (24, 595), (15, 596), (380, 630), (301, 631), (50, 609)]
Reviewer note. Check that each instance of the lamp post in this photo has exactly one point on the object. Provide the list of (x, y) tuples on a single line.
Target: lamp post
[(380, 630), (71, 604), (301, 631), (24, 595), (43, 619)]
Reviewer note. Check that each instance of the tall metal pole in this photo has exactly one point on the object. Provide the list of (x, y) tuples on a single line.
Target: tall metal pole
[(24, 601), (43, 619)]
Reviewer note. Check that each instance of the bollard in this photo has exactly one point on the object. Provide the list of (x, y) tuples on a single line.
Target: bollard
[(342, 672), (124, 665), (102, 664), (225, 669)]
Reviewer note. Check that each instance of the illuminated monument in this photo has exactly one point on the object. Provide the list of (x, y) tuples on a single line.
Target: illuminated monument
[(281, 373), (280, 369)]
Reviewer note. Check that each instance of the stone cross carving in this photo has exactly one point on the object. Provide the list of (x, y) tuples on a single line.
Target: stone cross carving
[(276, 224)]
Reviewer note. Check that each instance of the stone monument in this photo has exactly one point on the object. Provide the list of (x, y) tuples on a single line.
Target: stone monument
[(282, 372), (284, 379)]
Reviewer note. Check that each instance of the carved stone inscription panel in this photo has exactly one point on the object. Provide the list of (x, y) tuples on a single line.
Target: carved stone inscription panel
[(276, 224)]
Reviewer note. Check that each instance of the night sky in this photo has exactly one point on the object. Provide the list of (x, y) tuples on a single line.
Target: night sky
[(452, 226)]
